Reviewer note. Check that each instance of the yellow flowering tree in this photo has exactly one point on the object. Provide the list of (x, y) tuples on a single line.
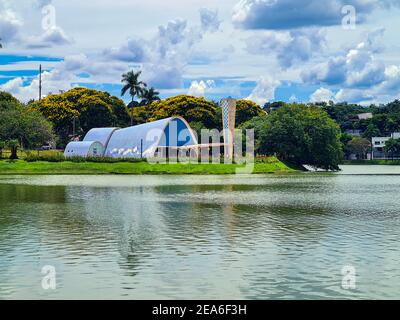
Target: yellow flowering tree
[(82, 109)]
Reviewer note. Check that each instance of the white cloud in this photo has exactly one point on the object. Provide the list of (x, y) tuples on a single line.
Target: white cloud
[(289, 47), (354, 95), (54, 36), (293, 98), (164, 58), (52, 81), (322, 95), (66, 75), (9, 25), (13, 30), (209, 20), (134, 50), (264, 90), (288, 14), (199, 88), (357, 70), (43, 3)]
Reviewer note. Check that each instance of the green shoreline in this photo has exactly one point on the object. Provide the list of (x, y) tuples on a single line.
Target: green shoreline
[(21, 167), (371, 162)]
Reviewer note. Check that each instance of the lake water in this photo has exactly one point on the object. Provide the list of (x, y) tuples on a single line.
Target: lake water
[(214, 237)]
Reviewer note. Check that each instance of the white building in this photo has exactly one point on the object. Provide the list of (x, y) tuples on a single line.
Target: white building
[(378, 146), (163, 137), (141, 141)]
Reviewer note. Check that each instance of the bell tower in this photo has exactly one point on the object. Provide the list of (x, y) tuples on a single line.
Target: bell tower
[(228, 107)]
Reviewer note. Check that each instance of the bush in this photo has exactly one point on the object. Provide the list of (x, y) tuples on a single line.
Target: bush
[(106, 159), (59, 157)]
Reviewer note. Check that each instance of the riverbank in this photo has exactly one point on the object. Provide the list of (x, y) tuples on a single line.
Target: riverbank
[(372, 162), (270, 165)]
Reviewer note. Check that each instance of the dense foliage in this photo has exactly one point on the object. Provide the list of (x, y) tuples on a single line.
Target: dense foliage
[(83, 108), (385, 119), (299, 134), (246, 110), (193, 109), (358, 146), (392, 147), (313, 134), (21, 126)]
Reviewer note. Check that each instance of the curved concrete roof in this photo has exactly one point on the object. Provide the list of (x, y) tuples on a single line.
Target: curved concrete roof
[(84, 149), (101, 135), (143, 140)]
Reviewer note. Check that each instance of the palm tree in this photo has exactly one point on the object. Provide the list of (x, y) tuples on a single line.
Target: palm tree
[(1, 46), (149, 95), (135, 87)]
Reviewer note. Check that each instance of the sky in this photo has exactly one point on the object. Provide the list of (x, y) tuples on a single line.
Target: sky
[(263, 50)]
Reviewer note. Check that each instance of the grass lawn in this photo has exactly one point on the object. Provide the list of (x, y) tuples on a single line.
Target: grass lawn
[(270, 165)]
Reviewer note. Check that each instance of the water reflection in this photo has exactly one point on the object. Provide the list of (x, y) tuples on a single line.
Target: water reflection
[(186, 237)]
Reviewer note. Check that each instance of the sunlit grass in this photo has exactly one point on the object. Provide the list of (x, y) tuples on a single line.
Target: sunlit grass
[(270, 165)]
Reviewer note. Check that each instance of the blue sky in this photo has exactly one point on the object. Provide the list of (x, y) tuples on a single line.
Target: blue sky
[(291, 50)]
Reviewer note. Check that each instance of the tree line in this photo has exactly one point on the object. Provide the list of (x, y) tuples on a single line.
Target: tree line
[(300, 134)]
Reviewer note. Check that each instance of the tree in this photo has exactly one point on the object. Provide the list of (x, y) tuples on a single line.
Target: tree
[(133, 85), (271, 106), (246, 110), (81, 109), (344, 140), (7, 100), (13, 145), (359, 146), (193, 109), (2, 146), (21, 124), (94, 112), (392, 146), (260, 127), (149, 96), (371, 131), (300, 135)]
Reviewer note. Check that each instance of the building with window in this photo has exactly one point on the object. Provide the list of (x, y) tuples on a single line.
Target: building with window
[(378, 147)]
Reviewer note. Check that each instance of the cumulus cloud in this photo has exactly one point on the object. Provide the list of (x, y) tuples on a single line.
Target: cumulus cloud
[(358, 73), (198, 88), (209, 20), (288, 14), (322, 95), (54, 36), (289, 47), (11, 27), (164, 57), (354, 95), (264, 90), (65, 75), (53, 81), (43, 3), (9, 24), (356, 68), (134, 50)]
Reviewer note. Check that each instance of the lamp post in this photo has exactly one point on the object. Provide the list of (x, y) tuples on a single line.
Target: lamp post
[(40, 82)]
